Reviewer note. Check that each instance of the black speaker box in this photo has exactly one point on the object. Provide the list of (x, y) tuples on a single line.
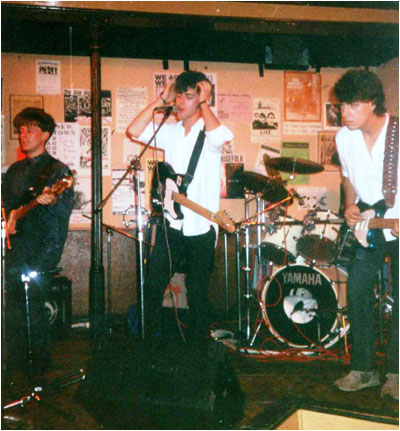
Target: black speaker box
[(177, 385), (59, 307)]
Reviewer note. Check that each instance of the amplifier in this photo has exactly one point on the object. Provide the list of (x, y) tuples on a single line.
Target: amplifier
[(59, 306)]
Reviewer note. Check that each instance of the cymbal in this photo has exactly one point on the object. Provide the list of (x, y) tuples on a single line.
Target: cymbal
[(293, 164), (257, 183)]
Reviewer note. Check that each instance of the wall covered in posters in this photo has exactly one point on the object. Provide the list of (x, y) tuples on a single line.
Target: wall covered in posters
[(283, 113)]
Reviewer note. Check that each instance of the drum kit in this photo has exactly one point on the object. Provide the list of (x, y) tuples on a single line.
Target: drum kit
[(297, 271)]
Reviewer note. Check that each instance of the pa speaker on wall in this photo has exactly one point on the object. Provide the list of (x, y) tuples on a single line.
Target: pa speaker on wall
[(287, 53), (178, 385)]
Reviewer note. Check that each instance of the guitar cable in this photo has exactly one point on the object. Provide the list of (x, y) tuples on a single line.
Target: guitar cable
[(171, 295)]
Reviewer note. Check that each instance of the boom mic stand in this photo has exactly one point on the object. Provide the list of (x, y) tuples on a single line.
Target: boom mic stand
[(135, 166)]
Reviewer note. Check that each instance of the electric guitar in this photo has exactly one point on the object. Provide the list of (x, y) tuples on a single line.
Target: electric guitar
[(57, 188), (368, 232), (168, 194)]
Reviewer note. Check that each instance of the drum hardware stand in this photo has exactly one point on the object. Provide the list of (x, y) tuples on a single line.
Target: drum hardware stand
[(134, 165), (261, 210), (226, 274), (238, 279), (36, 390)]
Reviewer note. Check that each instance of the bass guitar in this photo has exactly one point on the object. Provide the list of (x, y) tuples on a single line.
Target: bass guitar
[(368, 232), (168, 194), (57, 188)]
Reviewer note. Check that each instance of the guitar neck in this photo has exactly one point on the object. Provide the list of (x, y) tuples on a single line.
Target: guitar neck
[(23, 211), (183, 200), (381, 223)]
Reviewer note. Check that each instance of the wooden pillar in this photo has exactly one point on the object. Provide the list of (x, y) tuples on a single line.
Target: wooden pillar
[(96, 275)]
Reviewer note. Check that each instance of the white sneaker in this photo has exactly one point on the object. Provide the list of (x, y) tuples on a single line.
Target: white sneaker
[(356, 380)]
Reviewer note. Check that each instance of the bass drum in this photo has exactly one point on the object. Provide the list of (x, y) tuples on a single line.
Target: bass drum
[(305, 307)]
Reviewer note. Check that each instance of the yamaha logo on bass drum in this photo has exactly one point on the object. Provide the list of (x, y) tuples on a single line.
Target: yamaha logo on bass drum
[(310, 278)]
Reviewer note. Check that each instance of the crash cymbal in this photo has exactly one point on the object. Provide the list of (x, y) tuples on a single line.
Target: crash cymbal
[(293, 164), (271, 190)]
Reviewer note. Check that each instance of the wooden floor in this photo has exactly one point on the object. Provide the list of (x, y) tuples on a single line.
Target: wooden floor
[(274, 383)]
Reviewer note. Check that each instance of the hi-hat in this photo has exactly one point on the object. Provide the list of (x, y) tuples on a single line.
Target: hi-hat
[(294, 165), (271, 190)]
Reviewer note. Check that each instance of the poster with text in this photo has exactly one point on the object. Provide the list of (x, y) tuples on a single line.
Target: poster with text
[(266, 119), (85, 151), (232, 166), (299, 150), (64, 144), (234, 107), (130, 101), (312, 198), (48, 76), (78, 106), (302, 96)]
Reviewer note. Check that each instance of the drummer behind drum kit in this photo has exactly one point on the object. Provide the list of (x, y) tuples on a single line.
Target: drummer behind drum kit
[(303, 300)]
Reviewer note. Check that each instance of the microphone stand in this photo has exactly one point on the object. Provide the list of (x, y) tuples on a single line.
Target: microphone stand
[(36, 390), (5, 243), (135, 166)]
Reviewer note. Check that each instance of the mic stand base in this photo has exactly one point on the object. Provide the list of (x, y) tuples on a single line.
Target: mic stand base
[(35, 395)]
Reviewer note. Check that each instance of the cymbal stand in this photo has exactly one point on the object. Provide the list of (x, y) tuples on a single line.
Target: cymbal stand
[(226, 274), (238, 278), (247, 268)]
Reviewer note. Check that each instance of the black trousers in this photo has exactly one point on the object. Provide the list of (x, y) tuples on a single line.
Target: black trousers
[(174, 252), (363, 274)]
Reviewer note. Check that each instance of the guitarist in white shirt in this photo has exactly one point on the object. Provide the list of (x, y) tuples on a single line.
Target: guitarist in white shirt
[(361, 148), (190, 240)]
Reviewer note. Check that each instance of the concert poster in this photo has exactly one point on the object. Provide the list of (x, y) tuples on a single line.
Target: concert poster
[(302, 98)]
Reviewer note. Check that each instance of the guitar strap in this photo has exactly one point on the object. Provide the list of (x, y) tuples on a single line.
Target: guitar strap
[(390, 162), (194, 159)]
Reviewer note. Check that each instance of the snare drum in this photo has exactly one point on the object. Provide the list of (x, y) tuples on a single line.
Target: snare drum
[(304, 306), (280, 247), (319, 243)]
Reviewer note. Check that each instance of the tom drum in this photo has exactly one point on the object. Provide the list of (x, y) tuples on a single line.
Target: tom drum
[(280, 245), (318, 240)]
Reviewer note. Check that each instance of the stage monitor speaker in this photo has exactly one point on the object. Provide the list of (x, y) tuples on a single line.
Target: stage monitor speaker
[(177, 385)]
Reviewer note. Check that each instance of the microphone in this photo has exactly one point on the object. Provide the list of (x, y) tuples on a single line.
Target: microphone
[(167, 109)]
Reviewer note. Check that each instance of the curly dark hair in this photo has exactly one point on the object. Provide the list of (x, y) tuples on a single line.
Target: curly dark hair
[(358, 85), (37, 117), (189, 79)]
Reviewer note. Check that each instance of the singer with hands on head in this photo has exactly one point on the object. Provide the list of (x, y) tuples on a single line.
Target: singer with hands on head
[(185, 245), (370, 179), (37, 239)]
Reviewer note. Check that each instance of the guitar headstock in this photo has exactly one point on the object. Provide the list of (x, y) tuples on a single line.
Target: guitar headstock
[(225, 221), (64, 183)]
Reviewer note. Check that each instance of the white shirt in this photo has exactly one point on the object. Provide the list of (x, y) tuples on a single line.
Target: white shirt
[(205, 186), (365, 170)]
